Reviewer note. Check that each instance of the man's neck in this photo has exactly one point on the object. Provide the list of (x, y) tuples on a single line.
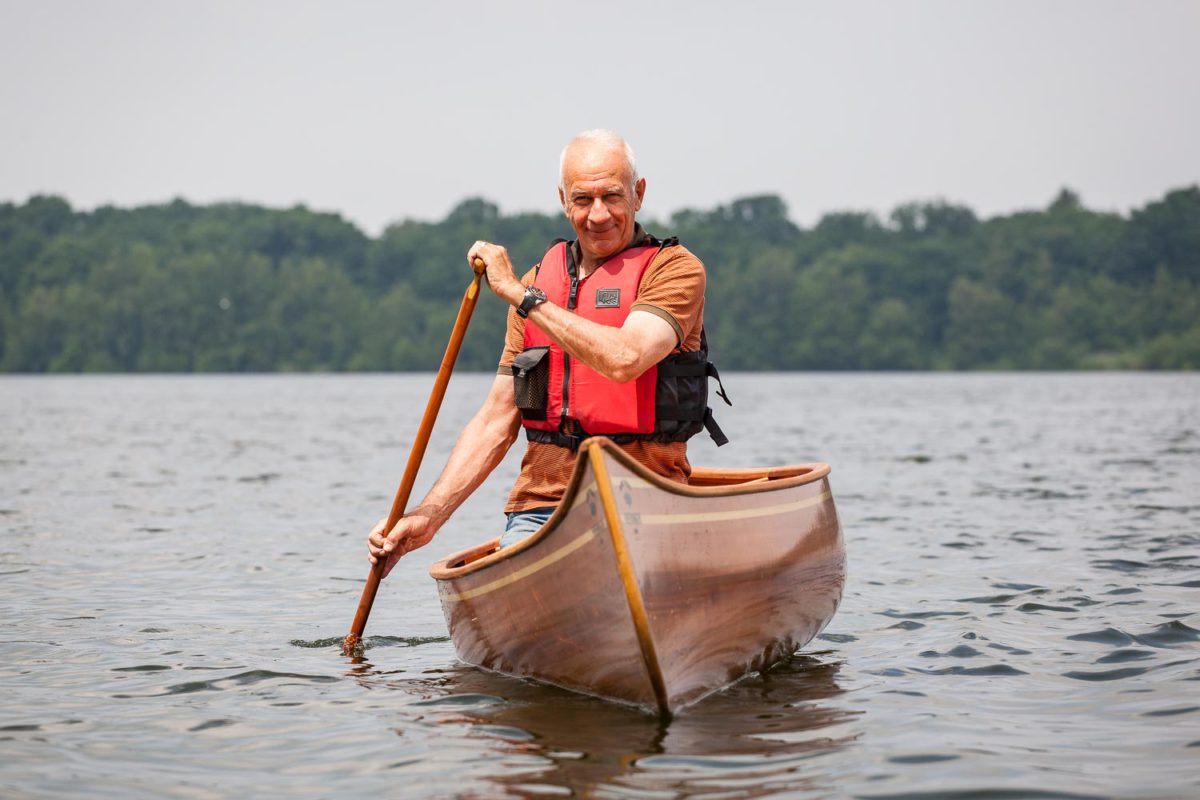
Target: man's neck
[(588, 264)]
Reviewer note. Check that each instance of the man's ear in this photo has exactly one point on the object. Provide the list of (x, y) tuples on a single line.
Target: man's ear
[(639, 189), (562, 201)]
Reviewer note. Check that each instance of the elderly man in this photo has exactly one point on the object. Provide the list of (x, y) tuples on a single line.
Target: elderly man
[(605, 336)]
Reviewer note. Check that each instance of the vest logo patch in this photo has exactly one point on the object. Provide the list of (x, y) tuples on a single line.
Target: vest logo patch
[(608, 298)]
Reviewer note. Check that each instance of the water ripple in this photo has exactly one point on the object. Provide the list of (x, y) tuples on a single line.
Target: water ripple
[(998, 670), (248, 678)]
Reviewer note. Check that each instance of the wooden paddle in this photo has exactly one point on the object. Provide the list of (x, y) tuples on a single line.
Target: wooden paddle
[(351, 643)]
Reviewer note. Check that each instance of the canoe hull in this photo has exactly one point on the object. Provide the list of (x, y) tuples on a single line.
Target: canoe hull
[(653, 593)]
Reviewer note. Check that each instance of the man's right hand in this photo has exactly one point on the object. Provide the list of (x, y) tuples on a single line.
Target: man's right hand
[(408, 534)]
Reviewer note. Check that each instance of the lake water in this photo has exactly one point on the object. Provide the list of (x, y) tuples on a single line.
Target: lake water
[(180, 557)]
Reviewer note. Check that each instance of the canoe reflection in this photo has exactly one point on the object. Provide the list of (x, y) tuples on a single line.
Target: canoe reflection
[(760, 734)]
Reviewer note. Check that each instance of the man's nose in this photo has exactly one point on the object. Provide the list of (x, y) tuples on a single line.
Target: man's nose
[(598, 213)]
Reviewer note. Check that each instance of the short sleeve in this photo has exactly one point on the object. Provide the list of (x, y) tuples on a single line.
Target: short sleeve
[(673, 288)]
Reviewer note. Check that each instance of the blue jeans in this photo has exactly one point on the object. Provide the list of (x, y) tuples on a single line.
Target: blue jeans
[(522, 523)]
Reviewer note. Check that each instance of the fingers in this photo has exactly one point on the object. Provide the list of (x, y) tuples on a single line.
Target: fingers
[(483, 249), (492, 255), (407, 535), (376, 541), (498, 270), (476, 251), (390, 546)]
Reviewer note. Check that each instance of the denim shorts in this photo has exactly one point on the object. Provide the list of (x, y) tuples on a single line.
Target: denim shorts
[(522, 523)]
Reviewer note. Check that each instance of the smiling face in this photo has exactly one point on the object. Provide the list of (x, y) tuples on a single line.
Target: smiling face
[(600, 197)]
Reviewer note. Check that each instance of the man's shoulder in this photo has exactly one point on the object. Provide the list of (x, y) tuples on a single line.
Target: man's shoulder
[(675, 260), (677, 249)]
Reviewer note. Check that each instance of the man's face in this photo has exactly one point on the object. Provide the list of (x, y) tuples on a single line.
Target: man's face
[(600, 198)]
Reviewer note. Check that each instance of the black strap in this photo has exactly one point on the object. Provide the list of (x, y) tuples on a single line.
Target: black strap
[(569, 441), (711, 370), (714, 430)]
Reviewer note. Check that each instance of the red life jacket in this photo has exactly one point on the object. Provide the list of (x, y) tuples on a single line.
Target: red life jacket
[(562, 400)]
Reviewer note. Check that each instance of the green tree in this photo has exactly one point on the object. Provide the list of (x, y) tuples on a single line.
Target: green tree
[(891, 338), (982, 329)]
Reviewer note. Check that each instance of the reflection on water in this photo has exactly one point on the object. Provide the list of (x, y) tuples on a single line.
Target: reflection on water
[(759, 732)]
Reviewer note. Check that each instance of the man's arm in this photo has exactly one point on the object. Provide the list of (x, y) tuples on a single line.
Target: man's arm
[(480, 447), (619, 354)]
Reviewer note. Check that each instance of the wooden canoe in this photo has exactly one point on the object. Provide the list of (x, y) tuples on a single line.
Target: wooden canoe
[(649, 592)]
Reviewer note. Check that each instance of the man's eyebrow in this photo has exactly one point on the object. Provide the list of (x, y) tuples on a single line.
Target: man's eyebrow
[(615, 188)]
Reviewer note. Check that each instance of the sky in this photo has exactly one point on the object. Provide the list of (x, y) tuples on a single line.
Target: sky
[(382, 111)]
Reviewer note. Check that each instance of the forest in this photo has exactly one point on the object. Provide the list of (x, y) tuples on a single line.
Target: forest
[(232, 287)]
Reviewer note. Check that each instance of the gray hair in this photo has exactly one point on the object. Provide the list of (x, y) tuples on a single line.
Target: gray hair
[(599, 136)]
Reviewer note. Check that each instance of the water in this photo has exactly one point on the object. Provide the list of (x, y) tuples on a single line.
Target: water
[(180, 557)]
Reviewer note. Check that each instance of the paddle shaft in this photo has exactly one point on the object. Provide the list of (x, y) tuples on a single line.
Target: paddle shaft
[(470, 298)]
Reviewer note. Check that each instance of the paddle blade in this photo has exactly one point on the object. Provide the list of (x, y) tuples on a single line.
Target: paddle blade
[(352, 646)]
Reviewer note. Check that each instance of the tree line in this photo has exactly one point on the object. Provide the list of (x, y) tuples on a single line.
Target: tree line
[(232, 287)]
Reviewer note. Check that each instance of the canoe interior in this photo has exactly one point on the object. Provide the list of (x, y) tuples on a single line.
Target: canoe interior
[(733, 480), (709, 476)]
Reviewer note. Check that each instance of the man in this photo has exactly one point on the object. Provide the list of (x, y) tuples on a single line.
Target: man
[(595, 330)]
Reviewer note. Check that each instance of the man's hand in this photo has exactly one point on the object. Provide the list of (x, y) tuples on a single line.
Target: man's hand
[(409, 533), (500, 275)]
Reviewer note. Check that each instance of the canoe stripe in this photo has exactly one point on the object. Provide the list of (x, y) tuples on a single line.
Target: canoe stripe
[(633, 592), (725, 516), (529, 569)]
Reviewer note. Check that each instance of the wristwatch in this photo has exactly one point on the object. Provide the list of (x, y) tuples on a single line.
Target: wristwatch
[(533, 296)]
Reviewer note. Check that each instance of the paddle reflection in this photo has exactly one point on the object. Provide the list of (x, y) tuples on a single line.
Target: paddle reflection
[(760, 733)]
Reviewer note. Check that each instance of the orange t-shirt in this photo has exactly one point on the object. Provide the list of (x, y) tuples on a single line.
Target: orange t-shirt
[(672, 287)]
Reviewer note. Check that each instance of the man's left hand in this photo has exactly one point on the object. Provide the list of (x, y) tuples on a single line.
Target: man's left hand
[(500, 275)]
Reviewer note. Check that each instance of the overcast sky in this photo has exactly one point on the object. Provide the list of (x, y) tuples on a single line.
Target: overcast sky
[(387, 110)]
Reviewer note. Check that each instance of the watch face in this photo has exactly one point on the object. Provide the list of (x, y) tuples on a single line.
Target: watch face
[(533, 296)]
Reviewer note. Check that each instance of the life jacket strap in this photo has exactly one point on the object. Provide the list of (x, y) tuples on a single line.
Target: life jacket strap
[(711, 372), (714, 430)]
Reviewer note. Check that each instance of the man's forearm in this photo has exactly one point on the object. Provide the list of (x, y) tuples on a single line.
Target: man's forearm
[(613, 352), (618, 353), (479, 449)]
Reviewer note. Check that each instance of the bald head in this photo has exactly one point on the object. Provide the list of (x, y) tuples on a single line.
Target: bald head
[(592, 147)]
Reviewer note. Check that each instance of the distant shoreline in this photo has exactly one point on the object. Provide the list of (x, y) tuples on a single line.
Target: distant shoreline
[(237, 288)]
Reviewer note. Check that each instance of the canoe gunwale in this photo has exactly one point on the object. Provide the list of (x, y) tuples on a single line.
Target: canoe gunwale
[(713, 483)]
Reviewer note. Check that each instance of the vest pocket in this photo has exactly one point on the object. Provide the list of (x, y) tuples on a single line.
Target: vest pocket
[(531, 382)]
